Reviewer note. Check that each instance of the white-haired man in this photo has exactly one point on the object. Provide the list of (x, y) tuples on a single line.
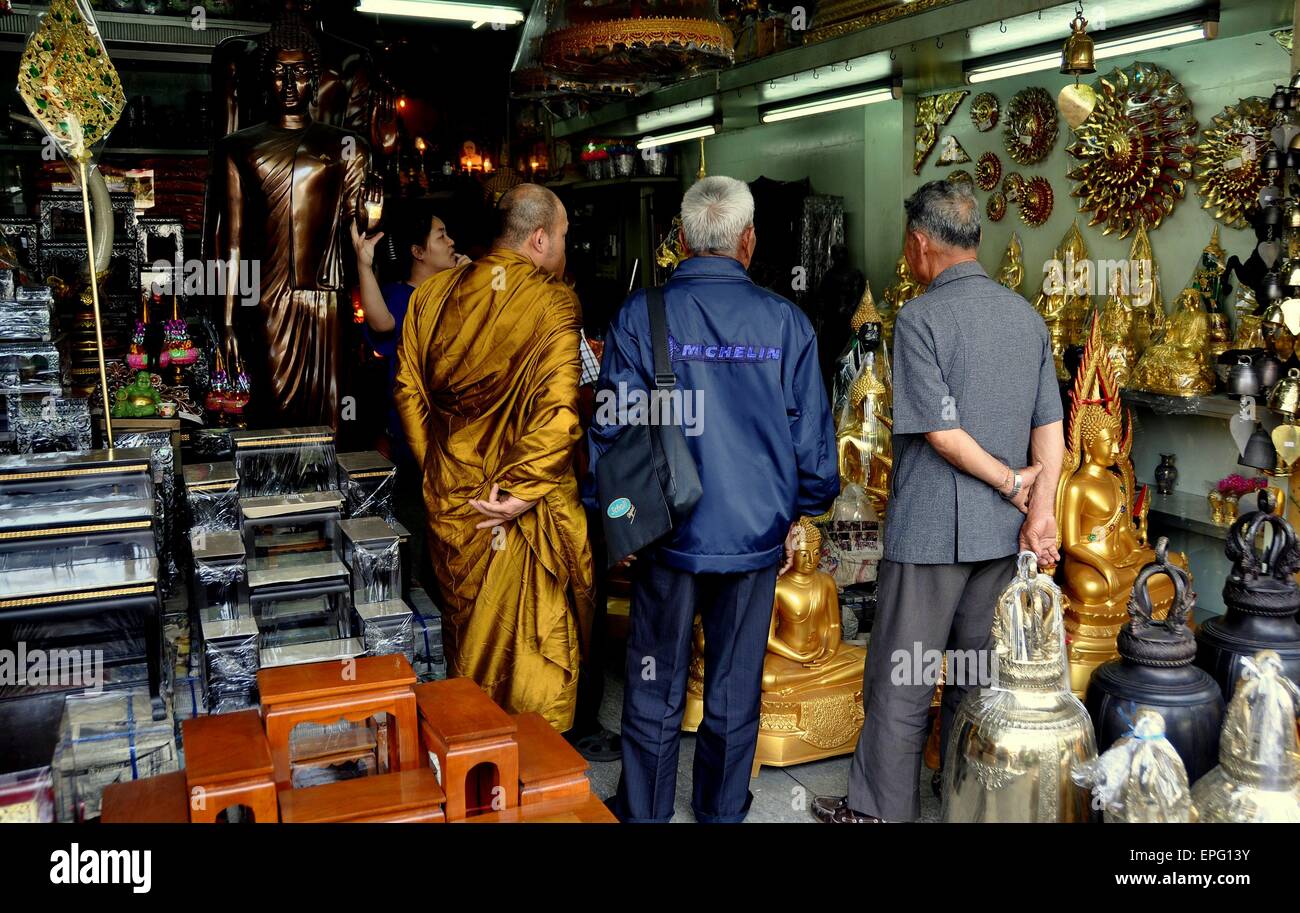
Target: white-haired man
[(765, 448)]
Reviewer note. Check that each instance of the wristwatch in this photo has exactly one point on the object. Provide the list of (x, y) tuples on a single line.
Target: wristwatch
[(1016, 484)]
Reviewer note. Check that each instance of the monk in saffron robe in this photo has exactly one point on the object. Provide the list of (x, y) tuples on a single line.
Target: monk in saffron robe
[(487, 390)]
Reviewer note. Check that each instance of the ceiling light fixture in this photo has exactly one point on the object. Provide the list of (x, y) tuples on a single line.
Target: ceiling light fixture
[(823, 105), (667, 139), (443, 9)]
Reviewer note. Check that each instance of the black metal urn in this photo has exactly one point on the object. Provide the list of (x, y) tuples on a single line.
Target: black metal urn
[(1156, 671), (1261, 596)]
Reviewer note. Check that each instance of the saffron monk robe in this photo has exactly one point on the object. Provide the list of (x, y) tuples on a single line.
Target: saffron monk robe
[(487, 389)]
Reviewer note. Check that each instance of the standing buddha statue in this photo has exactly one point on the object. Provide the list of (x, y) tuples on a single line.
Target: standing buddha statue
[(1063, 301), (1147, 302), (1116, 318), (1208, 279), (1101, 523), (1012, 271), (904, 289)]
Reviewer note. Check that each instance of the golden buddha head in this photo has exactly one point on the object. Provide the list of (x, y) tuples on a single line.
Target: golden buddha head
[(808, 547), (1100, 437)]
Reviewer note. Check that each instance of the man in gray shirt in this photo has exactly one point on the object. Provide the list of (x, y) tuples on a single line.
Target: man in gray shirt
[(975, 399)]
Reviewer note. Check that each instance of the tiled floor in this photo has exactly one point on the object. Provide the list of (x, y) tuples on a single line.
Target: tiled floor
[(781, 794)]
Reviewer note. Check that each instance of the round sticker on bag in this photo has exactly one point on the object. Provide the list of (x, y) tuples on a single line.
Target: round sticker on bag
[(618, 507)]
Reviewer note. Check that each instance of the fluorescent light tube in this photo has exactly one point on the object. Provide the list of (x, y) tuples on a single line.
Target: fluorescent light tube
[(649, 142), (443, 9), (838, 103), (1114, 47)]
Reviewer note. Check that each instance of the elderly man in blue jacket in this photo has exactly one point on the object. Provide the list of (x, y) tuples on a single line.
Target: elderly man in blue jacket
[(758, 425)]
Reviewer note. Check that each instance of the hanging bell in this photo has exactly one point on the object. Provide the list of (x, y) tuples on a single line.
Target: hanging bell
[(1258, 777), (1268, 369), (1260, 452), (1242, 379), (1013, 745), (1261, 596), (1141, 779), (1285, 396), (1273, 160), (1155, 670), (1281, 99), (1272, 287), (1077, 58), (1271, 215)]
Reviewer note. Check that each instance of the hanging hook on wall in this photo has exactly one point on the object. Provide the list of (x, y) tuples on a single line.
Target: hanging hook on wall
[(815, 76), (893, 55), (1002, 27), (938, 41), (848, 67)]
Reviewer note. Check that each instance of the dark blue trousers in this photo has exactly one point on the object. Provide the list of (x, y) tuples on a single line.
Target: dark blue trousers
[(736, 611)]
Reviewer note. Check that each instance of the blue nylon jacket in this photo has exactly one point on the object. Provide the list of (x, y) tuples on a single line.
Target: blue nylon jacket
[(761, 431)]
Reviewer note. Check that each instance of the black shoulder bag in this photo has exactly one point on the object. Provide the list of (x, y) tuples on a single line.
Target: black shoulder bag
[(647, 482)]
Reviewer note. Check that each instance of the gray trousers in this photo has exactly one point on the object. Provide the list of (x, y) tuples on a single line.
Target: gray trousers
[(919, 608)]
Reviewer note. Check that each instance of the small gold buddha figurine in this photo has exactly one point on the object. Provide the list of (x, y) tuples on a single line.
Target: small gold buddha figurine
[(1012, 271), (1101, 522), (1063, 301), (1179, 363), (812, 680), (904, 289), (1145, 298), (1116, 320), (864, 440)]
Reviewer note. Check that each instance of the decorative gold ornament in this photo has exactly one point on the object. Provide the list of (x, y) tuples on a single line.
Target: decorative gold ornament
[(1076, 102), (1178, 364), (1012, 271), (984, 111), (1228, 173), (1036, 201), (670, 252), (997, 206), (960, 176), (988, 171), (1135, 150), (663, 44), (1031, 125), (932, 112), (1101, 519), (1012, 185), (1284, 38), (1147, 302), (72, 89), (1116, 318), (951, 152), (840, 17), (866, 311)]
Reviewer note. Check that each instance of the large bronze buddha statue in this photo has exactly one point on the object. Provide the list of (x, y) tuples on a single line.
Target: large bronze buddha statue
[(281, 198), (812, 680), (1100, 518)]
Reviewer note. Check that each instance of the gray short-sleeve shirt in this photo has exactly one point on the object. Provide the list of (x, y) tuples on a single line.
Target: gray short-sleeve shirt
[(974, 355)]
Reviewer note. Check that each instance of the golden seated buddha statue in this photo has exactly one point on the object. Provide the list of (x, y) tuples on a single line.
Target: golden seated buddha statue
[(1178, 364), (904, 289), (1100, 520), (812, 680)]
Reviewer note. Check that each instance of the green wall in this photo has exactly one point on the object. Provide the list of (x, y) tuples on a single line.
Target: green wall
[(865, 155)]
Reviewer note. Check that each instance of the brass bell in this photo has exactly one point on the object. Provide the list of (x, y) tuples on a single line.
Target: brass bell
[(1242, 379), (1281, 99), (1273, 160), (1077, 58), (1285, 396)]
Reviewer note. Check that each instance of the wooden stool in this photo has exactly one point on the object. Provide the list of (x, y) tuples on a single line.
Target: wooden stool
[(587, 810), (463, 729), (326, 692), (164, 799), (408, 796), (549, 767), (227, 763)]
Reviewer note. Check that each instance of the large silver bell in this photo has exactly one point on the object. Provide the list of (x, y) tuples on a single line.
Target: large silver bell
[(1013, 745)]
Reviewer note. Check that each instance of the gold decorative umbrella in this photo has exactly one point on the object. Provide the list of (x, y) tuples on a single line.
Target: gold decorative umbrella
[(73, 91), (1135, 150)]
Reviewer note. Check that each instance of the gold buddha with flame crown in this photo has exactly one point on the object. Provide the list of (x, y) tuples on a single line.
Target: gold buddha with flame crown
[(1116, 317), (1011, 273), (864, 440), (812, 680), (1101, 523), (1064, 302), (904, 289)]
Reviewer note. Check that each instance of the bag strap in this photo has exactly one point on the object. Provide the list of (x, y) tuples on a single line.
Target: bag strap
[(665, 379)]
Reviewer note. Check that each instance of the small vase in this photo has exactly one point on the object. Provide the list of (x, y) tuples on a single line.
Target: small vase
[(1216, 507), (1230, 509), (1166, 474)]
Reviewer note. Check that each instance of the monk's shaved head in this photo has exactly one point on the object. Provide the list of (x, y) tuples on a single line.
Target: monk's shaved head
[(525, 208)]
